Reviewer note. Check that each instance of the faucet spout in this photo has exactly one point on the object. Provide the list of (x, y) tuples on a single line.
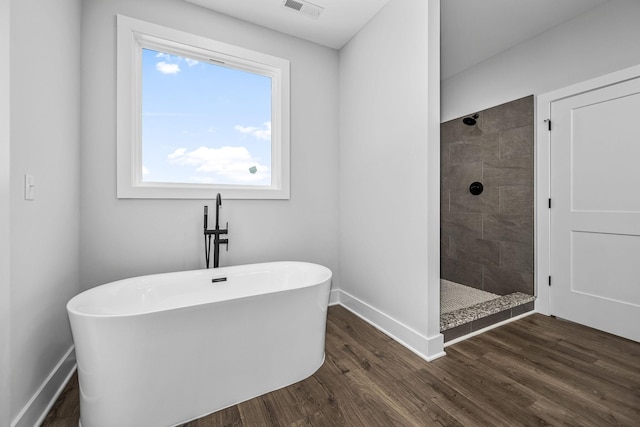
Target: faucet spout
[(218, 204)]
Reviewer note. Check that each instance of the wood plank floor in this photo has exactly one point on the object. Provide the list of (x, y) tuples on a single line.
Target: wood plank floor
[(535, 371)]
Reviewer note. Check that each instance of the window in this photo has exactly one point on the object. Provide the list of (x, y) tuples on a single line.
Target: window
[(197, 116)]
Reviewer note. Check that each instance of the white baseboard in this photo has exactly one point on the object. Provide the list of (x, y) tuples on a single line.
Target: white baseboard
[(35, 411), (334, 297), (428, 348)]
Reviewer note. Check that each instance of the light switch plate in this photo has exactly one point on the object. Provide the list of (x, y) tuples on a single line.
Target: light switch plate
[(29, 187)]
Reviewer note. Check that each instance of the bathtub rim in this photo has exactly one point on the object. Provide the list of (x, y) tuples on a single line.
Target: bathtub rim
[(72, 310)]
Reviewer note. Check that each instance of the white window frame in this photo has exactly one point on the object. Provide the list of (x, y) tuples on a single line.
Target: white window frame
[(134, 35)]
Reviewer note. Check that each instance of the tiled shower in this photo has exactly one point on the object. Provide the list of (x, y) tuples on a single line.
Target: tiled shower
[(486, 229)]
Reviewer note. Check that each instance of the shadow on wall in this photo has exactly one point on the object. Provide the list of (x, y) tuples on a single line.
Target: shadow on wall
[(487, 239)]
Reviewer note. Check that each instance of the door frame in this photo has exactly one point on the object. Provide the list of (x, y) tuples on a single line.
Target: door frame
[(543, 174)]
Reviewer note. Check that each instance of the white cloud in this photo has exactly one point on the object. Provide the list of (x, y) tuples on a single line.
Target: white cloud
[(145, 171), (166, 68), (177, 154), (172, 60), (232, 164), (260, 133)]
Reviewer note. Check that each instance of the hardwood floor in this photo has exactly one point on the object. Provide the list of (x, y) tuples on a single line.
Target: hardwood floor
[(535, 371)]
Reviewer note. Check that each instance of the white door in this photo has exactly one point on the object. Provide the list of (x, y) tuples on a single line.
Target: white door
[(595, 210)]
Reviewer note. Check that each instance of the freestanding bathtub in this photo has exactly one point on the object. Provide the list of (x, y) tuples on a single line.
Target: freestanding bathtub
[(164, 349)]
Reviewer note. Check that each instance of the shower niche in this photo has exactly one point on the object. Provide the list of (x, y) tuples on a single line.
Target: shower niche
[(486, 228)]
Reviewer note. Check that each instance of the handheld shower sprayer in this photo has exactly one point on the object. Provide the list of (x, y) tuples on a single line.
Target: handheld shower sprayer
[(218, 204), (217, 241)]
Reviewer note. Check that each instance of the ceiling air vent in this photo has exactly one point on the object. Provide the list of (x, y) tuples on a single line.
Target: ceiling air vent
[(304, 7)]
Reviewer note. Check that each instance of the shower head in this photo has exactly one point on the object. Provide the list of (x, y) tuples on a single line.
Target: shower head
[(471, 120)]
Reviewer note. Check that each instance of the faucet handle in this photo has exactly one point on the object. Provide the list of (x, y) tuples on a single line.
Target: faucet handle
[(226, 241)]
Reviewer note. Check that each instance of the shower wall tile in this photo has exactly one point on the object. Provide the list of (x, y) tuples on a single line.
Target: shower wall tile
[(524, 308), (523, 162), (462, 201), (449, 268), (502, 282), (453, 131), (508, 173), (449, 133), (509, 228), (444, 201), (483, 322), (444, 157), (516, 143), (516, 200), (444, 244), (461, 175), (482, 149), (468, 273), (516, 256), (479, 251), (457, 332), (469, 224), (511, 115)]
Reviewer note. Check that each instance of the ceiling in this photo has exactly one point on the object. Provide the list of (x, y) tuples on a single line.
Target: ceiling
[(471, 30), (338, 23)]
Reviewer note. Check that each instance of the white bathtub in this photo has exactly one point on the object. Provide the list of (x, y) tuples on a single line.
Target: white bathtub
[(164, 349)]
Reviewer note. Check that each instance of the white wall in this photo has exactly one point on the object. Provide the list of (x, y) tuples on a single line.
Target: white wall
[(433, 181), (122, 238), (386, 126), (5, 248), (44, 105), (600, 41)]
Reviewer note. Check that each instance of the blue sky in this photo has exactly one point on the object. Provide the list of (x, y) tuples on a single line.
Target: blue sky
[(204, 123)]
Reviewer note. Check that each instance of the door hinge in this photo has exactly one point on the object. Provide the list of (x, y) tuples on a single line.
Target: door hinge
[(549, 280), (548, 122), (549, 203)]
